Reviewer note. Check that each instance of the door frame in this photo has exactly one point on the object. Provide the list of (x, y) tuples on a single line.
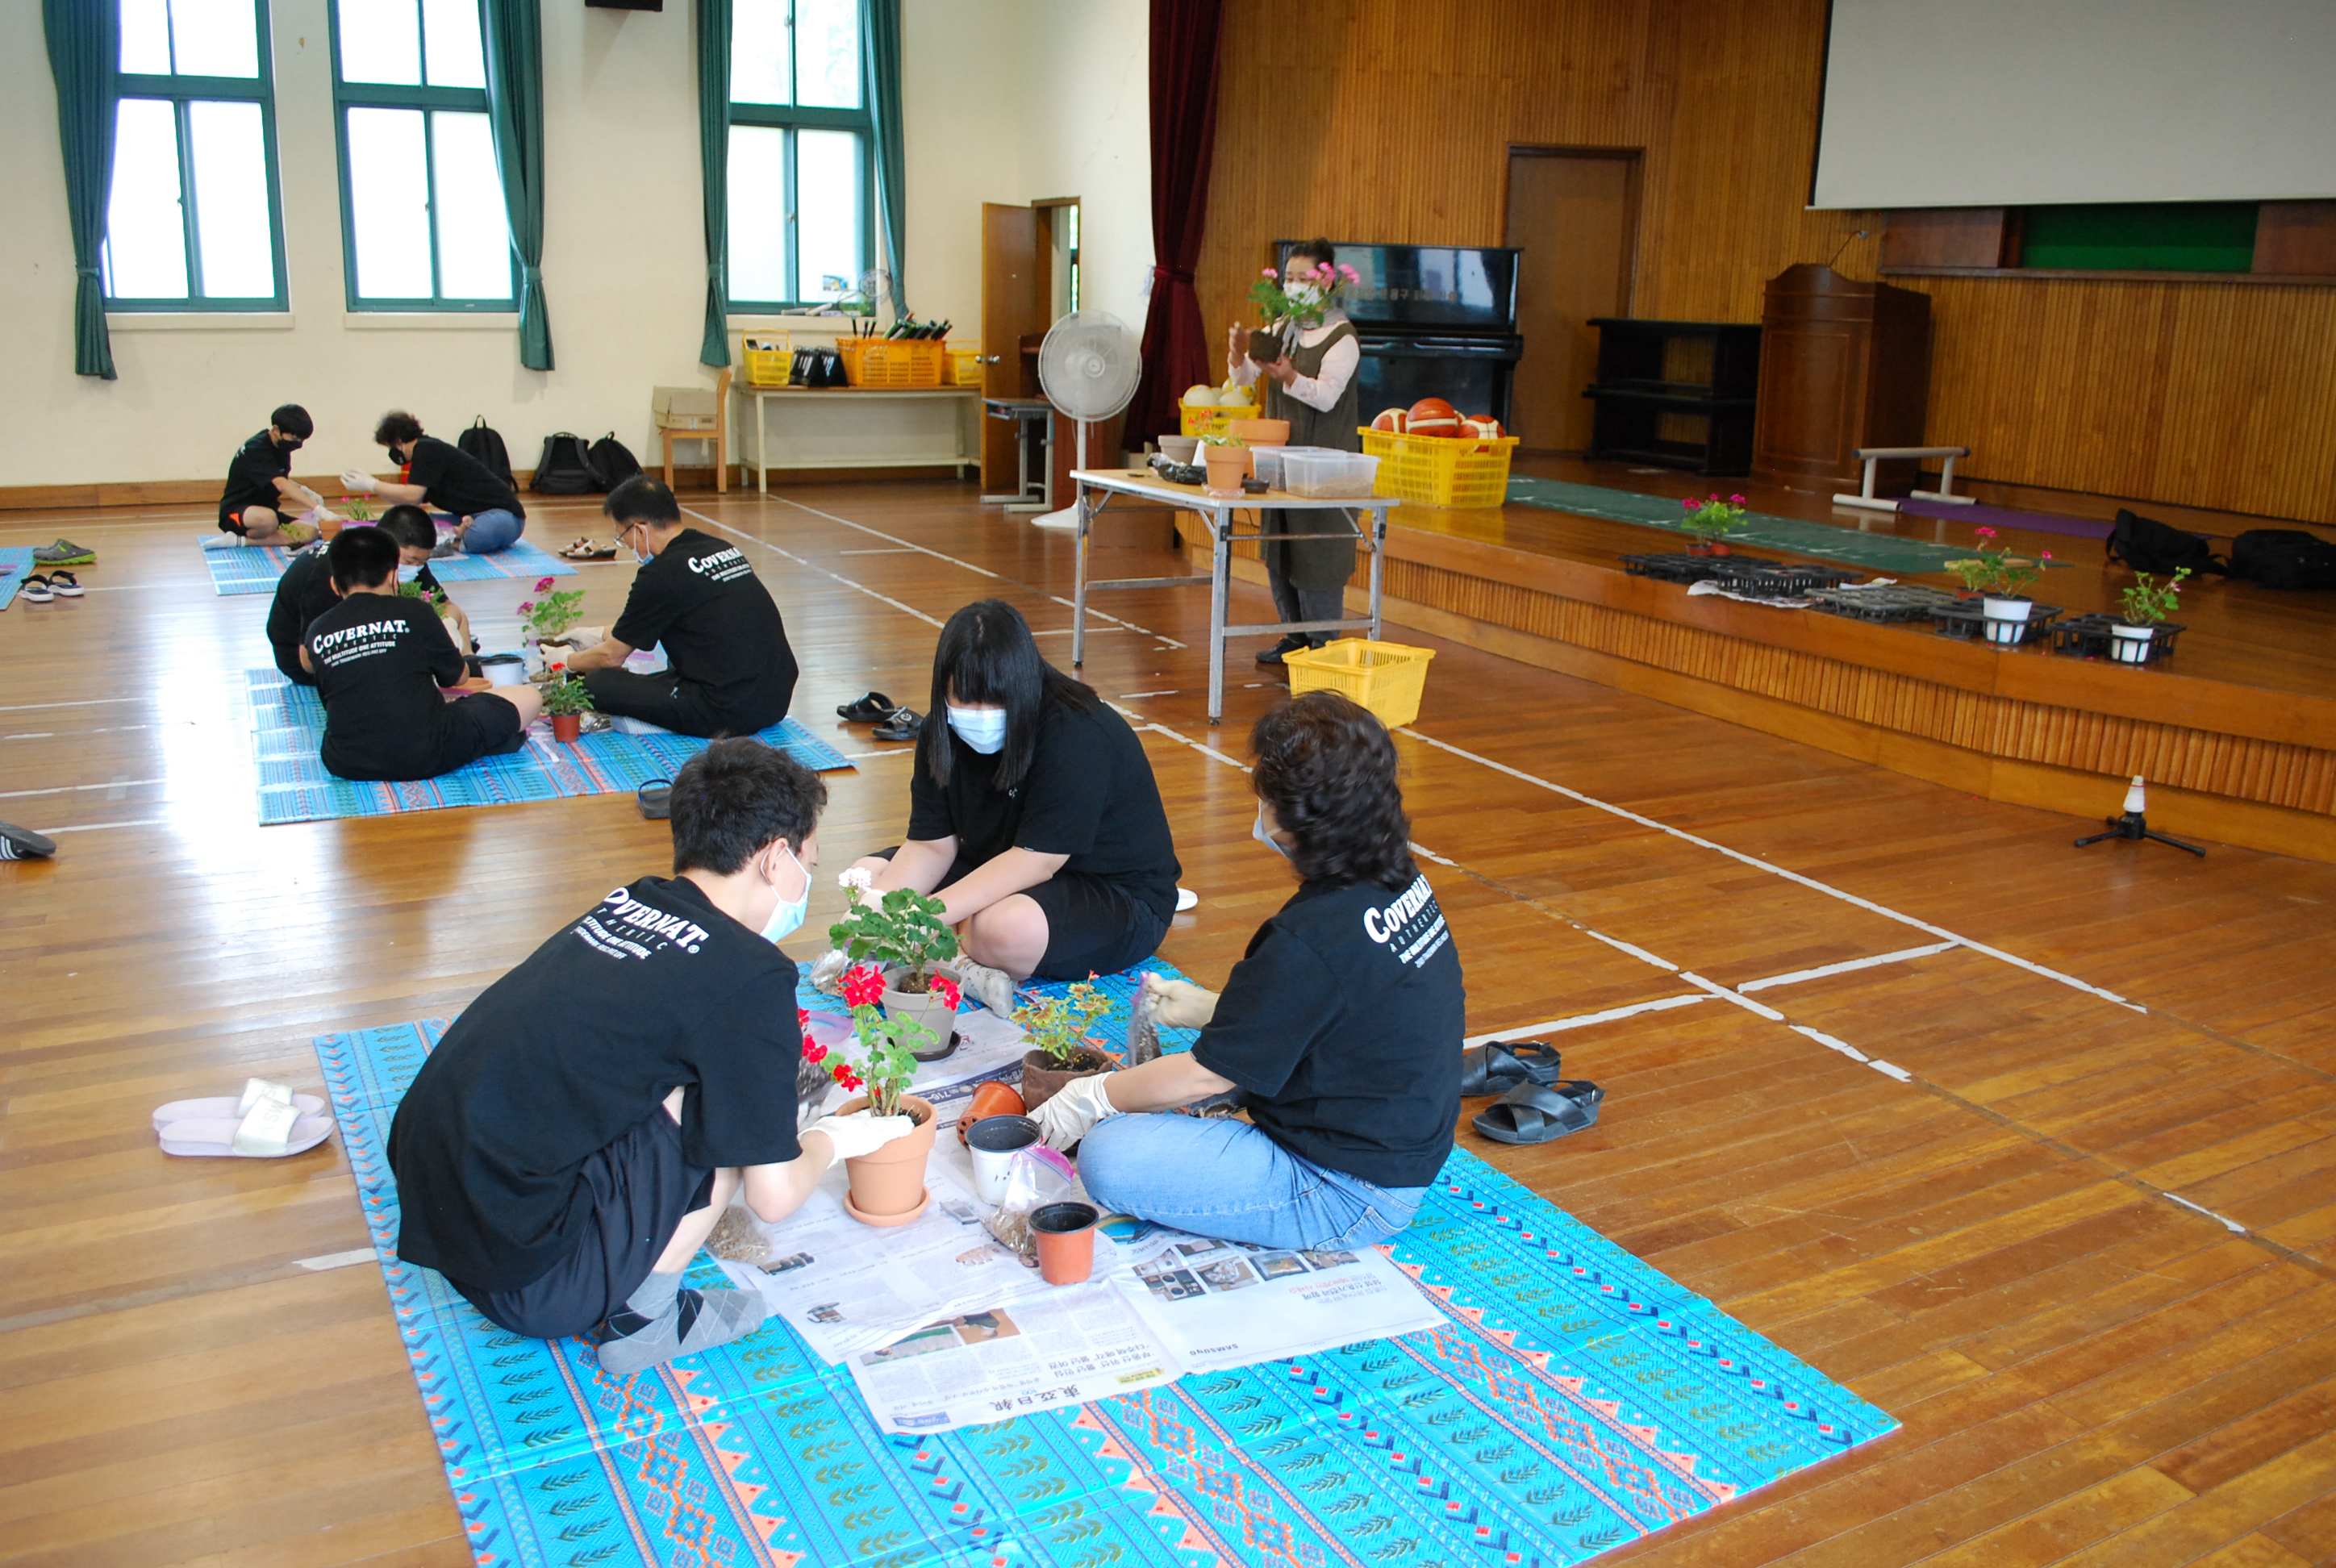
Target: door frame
[(1636, 157)]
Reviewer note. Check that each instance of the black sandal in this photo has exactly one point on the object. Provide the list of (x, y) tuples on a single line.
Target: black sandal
[(906, 724), (35, 589), (1504, 1064), (656, 799), (64, 585), (1541, 1114), (873, 708)]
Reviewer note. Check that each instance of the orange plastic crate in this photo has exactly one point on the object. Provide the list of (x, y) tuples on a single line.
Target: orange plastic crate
[(1441, 470), (883, 362)]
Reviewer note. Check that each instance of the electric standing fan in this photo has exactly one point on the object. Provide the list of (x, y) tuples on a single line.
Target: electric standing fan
[(1087, 367)]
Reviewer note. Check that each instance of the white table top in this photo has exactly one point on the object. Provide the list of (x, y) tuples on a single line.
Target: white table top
[(1142, 481)]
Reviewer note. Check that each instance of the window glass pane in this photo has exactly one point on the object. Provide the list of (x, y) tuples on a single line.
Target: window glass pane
[(146, 37), (758, 52), (146, 235), (232, 230), (827, 53), (389, 202), (473, 239), (455, 58), (827, 198), (381, 41), (215, 38), (758, 215)]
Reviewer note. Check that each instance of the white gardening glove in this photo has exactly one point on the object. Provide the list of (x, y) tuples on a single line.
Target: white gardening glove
[(582, 636), (861, 1134), (827, 972), (1179, 1004), (357, 480), (1072, 1115)]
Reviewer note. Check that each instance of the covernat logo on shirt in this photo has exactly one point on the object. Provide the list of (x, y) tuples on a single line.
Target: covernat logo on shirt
[(722, 566), (363, 640), (1413, 926), (635, 930)]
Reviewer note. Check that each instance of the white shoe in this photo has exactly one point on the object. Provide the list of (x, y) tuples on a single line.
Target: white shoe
[(1186, 899)]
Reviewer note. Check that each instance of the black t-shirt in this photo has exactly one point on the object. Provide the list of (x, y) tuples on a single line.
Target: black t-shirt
[(701, 600), (1089, 794), (380, 659), (1344, 1022), (252, 475), (303, 593), (453, 481), (653, 990)]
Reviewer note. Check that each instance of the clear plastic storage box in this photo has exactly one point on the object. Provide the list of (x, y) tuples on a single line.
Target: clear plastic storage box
[(1324, 475)]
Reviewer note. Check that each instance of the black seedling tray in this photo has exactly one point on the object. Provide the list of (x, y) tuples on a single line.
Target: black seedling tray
[(2088, 636), (1775, 579), (1892, 602), (1678, 567)]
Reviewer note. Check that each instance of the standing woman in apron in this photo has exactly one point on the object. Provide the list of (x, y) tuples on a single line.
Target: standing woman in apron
[(1311, 386)]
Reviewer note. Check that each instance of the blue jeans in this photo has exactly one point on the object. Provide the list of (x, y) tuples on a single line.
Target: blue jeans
[(1230, 1180), (492, 531)]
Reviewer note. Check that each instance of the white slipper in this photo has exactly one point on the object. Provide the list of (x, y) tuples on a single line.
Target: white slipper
[(270, 1132), (1186, 899), (225, 1108)]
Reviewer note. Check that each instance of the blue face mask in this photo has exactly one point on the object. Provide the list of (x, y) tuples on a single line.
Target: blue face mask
[(983, 729), (1259, 831), (787, 916)]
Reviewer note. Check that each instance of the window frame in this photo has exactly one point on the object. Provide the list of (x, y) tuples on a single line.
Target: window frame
[(182, 92), (792, 118), (348, 95)]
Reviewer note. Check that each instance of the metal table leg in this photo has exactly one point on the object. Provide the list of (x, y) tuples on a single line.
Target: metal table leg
[(762, 444), (1379, 562), (1220, 527)]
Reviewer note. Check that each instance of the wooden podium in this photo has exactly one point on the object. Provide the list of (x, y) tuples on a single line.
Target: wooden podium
[(1843, 364)]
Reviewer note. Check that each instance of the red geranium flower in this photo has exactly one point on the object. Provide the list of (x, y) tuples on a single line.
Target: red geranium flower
[(543, 585), (863, 986), (948, 990)]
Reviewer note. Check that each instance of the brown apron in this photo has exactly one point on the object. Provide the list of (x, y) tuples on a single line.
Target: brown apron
[(1313, 565)]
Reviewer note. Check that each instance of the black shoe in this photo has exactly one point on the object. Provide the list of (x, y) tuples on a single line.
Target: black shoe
[(24, 844), (906, 724), (1290, 643)]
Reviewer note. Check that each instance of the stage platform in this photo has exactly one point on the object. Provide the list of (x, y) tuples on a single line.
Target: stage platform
[(2236, 733)]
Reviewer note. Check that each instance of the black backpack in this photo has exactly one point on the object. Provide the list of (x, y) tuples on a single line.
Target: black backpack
[(2145, 545), (485, 445), (2283, 558), (566, 466), (612, 464)]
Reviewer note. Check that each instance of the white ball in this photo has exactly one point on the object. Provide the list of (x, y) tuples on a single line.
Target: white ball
[(1233, 397), (1201, 393)]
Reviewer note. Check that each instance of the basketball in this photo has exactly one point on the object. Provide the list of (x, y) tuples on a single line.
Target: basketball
[(1432, 416), (1390, 419), (1483, 426)]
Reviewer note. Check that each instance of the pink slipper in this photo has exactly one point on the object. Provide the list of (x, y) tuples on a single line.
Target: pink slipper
[(270, 1132), (226, 1108)]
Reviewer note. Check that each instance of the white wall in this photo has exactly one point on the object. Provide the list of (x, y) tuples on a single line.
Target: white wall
[(1006, 101)]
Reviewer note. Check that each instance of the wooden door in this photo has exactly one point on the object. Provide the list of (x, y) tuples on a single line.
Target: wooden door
[(1573, 214), (1016, 282)]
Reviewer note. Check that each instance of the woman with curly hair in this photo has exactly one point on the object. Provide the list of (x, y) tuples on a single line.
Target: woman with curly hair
[(1340, 1028)]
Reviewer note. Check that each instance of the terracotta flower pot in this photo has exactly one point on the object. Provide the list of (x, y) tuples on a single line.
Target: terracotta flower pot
[(1260, 431), (567, 726), (1720, 548), (1064, 1234), (989, 1100), (888, 1187), (1265, 347), (1228, 466), (1042, 1082), (928, 1008)]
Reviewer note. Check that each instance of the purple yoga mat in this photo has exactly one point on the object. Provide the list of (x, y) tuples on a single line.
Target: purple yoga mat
[(2004, 516)]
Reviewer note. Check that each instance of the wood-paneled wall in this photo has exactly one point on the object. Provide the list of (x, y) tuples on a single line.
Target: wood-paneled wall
[(1389, 120)]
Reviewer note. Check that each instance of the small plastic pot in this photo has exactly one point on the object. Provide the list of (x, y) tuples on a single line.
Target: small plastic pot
[(1064, 1233), (567, 726), (989, 1100)]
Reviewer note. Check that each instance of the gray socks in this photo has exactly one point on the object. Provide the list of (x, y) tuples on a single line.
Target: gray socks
[(661, 1320)]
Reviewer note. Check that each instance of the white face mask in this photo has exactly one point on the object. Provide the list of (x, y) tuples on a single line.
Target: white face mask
[(787, 916), (1264, 835), (983, 729)]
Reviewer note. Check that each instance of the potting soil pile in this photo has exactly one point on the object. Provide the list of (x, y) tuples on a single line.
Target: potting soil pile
[(1563, 1398), (254, 568), (287, 728)]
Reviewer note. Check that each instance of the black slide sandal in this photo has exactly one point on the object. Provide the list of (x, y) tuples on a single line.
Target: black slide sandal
[(906, 724), (656, 799), (1535, 1113), (873, 708), (1504, 1064)]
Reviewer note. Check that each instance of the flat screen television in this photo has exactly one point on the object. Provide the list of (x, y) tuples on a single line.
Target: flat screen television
[(1445, 287)]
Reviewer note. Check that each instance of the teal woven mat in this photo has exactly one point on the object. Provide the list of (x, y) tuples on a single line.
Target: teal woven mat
[(18, 560), (241, 569), (1573, 1399), (288, 727), (1875, 553)]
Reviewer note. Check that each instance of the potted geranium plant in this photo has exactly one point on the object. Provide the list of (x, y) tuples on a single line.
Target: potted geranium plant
[(1229, 461), (567, 701), (2145, 606), (1061, 1048), (1712, 520), (903, 935), (1997, 576), (549, 614), (887, 1187), (1296, 296)]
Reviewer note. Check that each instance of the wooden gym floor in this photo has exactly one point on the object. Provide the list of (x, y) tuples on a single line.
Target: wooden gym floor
[(2073, 1223)]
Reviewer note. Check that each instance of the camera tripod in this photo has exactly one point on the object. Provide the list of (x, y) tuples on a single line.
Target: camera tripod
[(2132, 825)]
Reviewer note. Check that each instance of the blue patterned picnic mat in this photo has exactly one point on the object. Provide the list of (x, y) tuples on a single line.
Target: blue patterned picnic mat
[(18, 561), (254, 568), (287, 729), (1573, 1399)]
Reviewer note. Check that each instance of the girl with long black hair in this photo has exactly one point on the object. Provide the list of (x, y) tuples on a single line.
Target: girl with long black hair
[(1033, 813)]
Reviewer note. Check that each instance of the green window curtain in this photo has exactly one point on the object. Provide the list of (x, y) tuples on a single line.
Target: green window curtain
[(880, 58), (512, 31), (714, 166), (85, 48)]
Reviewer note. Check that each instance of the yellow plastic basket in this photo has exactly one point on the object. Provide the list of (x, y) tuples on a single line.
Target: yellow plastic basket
[(1441, 470), (1209, 419), (770, 359), (884, 362), (1385, 677), (964, 365)]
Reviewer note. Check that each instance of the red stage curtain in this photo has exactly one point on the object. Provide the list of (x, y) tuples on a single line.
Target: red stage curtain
[(1184, 141)]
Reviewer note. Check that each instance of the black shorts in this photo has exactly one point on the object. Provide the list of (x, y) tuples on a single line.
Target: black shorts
[(479, 725), (1093, 926), (641, 1189), (663, 699)]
